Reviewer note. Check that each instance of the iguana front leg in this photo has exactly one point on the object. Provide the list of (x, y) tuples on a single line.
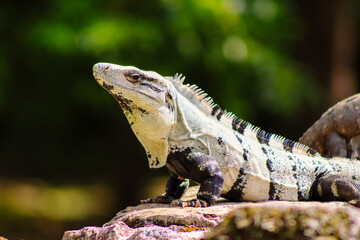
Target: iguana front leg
[(200, 168), (175, 188), (197, 167)]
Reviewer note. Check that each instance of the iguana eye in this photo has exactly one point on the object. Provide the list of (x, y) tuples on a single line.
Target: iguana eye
[(135, 76)]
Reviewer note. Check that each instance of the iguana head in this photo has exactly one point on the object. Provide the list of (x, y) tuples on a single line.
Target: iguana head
[(147, 100)]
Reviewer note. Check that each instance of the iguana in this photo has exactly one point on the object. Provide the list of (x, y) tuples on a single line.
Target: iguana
[(181, 128)]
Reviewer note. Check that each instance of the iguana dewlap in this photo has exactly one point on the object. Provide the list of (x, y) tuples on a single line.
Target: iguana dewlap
[(181, 128)]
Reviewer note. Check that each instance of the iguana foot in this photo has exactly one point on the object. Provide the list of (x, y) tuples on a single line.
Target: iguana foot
[(337, 188), (158, 199), (191, 203)]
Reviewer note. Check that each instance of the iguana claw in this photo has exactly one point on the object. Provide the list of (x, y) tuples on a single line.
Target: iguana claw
[(158, 199)]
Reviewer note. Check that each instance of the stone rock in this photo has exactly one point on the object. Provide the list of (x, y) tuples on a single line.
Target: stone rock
[(120, 231), (117, 230), (285, 220), (158, 221), (163, 215), (272, 219)]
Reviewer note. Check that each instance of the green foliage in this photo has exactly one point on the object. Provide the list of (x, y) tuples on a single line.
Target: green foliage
[(246, 44)]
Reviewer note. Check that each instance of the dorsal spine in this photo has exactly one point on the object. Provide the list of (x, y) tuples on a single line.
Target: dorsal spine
[(204, 102)]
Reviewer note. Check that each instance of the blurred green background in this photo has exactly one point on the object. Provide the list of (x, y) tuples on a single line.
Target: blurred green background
[(68, 157)]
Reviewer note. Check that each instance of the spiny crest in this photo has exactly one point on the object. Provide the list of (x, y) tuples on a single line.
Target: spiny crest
[(204, 102), (295, 147), (273, 140), (192, 92), (179, 78)]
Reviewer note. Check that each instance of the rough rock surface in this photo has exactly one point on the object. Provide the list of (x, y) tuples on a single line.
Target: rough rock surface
[(337, 132), (271, 219), (157, 221), (120, 230), (284, 220), (163, 215)]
